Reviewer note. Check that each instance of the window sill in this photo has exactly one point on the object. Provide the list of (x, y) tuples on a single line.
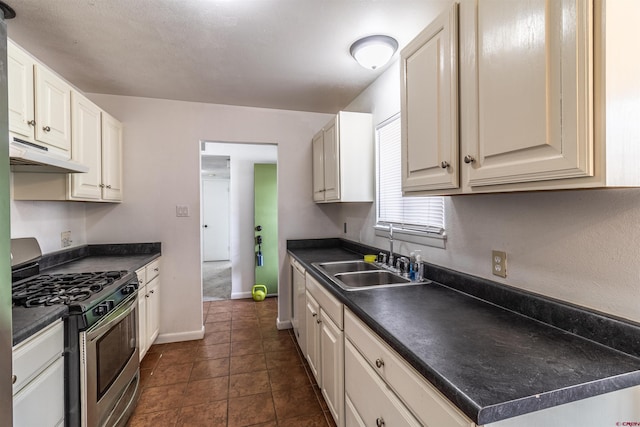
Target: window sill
[(412, 236)]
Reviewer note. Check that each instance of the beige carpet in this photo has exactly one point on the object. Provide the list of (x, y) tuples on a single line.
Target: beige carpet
[(216, 280)]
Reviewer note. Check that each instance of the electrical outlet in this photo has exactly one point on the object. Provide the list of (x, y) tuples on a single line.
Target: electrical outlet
[(499, 263), (182, 210), (65, 239)]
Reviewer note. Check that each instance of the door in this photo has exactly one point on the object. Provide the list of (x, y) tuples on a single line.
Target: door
[(430, 107), (111, 158), (215, 227), (266, 225), (331, 160), (534, 91), (86, 143)]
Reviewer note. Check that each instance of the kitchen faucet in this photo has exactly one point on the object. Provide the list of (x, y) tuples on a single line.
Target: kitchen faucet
[(390, 263)]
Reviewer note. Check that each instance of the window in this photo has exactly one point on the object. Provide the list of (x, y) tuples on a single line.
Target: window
[(417, 219)]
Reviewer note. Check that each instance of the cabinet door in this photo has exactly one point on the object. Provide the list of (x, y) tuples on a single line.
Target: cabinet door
[(313, 337), (429, 104), (20, 88), (41, 402), (332, 362), (331, 150), (86, 140), (111, 158), (153, 310), (533, 87), (299, 302), (142, 322), (53, 111), (318, 167)]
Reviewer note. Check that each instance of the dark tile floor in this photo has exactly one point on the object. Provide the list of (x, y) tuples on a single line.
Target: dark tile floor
[(244, 372)]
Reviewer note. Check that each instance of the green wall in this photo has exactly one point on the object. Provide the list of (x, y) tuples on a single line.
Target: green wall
[(266, 215)]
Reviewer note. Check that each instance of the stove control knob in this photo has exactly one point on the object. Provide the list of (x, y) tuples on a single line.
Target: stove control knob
[(101, 309), (127, 290)]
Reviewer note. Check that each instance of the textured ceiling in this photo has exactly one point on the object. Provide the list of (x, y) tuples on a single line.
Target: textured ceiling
[(285, 54)]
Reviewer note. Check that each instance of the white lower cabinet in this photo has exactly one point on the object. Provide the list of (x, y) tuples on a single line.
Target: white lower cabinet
[(401, 390), (38, 379), (372, 401), (325, 346), (298, 291), (148, 305)]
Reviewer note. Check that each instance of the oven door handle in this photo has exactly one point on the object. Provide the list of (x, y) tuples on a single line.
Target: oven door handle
[(105, 324)]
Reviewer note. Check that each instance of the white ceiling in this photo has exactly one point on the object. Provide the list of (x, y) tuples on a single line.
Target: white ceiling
[(285, 54)]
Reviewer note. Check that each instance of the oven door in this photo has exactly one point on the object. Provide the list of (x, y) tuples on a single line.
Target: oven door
[(109, 366)]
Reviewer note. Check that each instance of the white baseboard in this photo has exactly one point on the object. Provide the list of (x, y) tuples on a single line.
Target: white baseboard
[(283, 324), (180, 336), (240, 295)]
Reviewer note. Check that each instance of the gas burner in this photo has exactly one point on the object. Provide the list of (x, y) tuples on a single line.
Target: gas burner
[(69, 288)]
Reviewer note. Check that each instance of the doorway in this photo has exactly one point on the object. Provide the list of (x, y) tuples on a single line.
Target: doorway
[(216, 260), (242, 255)]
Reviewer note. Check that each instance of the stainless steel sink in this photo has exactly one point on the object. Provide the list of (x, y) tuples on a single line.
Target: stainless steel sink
[(360, 275), (369, 279), (332, 268)]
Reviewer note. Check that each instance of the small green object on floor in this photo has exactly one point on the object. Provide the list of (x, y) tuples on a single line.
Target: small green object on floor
[(259, 292)]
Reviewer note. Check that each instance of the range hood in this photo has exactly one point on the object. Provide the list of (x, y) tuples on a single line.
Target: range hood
[(26, 156)]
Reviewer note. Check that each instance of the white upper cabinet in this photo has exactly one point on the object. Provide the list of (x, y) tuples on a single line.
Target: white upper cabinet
[(343, 152), (544, 98), (39, 103), (86, 148), (533, 87), (429, 100), (111, 158), (21, 91)]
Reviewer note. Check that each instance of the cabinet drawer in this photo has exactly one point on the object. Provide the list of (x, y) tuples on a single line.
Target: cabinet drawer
[(426, 402), (328, 302), (372, 400), (152, 270), (32, 356)]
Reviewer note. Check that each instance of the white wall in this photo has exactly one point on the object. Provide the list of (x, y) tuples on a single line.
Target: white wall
[(162, 169), (578, 246), (243, 157), (46, 220)]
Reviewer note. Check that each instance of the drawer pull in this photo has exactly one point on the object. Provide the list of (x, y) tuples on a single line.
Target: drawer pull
[(380, 422), (318, 321), (379, 363), (156, 269), (46, 128), (14, 379), (314, 314)]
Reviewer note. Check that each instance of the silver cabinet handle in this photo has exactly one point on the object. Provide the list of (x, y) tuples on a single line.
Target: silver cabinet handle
[(108, 186), (469, 159), (14, 378), (318, 321), (380, 422), (379, 363), (46, 128), (156, 269), (314, 314), (444, 165), (101, 185), (153, 291), (146, 296), (31, 122)]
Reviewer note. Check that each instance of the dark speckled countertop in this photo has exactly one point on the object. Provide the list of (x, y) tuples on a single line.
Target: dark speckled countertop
[(491, 362), (130, 257)]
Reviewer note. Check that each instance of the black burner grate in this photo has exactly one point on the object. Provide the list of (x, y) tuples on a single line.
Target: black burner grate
[(69, 288)]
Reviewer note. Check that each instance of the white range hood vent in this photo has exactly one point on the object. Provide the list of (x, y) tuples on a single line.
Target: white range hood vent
[(26, 156)]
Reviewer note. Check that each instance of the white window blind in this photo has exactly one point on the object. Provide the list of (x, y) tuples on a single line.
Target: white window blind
[(422, 214)]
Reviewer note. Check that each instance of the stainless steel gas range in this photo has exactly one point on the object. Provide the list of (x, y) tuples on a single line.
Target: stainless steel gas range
[(101, 334)]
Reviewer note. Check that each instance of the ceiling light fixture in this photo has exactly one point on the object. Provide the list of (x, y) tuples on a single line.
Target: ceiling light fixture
[(373, 51)]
